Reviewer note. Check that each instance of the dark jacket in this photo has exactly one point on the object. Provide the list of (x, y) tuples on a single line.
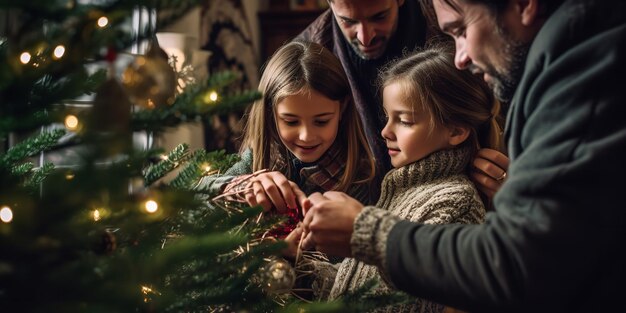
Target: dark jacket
[(555, 241), (363, 74)]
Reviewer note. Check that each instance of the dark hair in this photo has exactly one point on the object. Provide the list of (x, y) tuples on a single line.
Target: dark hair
[(496, 6)]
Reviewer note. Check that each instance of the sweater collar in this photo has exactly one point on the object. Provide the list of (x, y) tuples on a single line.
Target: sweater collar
[(437, 165), (324, 173)]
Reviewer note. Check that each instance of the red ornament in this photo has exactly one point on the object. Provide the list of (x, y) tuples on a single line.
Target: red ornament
[(111, 55), (281, 231)]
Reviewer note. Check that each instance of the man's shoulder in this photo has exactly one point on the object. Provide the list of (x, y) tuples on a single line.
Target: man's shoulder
[(320, 30)]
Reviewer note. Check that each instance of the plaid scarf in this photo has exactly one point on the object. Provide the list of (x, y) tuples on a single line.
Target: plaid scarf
[(323, 175)]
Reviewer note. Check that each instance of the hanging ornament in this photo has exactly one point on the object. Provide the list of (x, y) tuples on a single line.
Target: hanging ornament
[(150, 80), (108, 122), (278, 277), (111, 106), (281, 231)]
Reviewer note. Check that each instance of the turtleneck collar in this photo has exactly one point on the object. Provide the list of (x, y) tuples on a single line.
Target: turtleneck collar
[(437, 165)]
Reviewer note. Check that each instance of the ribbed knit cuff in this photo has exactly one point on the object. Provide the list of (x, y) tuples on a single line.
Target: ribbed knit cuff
[(369, 238)]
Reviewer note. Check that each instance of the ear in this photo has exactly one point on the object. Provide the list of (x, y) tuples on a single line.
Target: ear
[(528, 11), (457, 135)]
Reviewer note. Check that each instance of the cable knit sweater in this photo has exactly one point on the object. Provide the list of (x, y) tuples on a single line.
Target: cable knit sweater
[(434, 190)]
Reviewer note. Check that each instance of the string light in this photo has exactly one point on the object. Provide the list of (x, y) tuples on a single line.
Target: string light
[(96, 215), (25, 57), (151, 206), (146, 293), (69, 175), (103, 21), (211, 97), (71, 122), (164, 157), (59, 51), (6, 215)]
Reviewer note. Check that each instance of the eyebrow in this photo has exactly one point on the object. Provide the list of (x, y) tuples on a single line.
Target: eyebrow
[(317, 115), (375, 15), (400, 112), (449, 25)]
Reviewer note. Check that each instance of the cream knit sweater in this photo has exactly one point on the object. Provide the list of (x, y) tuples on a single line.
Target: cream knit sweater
[(434, 190)]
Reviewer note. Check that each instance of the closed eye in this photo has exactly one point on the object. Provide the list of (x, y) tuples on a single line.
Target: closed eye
[(290, 122)]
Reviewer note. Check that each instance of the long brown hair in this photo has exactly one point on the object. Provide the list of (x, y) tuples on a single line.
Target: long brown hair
[(292, 69), (450, 96)]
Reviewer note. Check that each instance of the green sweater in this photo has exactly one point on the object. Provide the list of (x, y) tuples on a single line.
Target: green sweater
[(554, 242)]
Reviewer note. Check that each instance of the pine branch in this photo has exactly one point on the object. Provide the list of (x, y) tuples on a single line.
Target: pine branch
[(38, 176), (171, 161), (202, 164), (31, 146)]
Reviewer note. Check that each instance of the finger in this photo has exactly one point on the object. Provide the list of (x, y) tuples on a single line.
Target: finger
[(286, 190), (316, 197), (306, 206), (336, 195), (260, 197), (308, 219), (494, 156), (272, 192), (485, 184), (251, 198), (488, 168), (308, 243)]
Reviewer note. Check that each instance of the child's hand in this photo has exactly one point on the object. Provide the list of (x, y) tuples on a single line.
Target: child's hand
[(293, 240), (272, 189)]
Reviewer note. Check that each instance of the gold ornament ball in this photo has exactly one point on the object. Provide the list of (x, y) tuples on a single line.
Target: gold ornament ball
[(150, 81), (279, 277)]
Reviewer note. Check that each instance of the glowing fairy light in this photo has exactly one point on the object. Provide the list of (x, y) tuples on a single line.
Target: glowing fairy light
[(96, 215), (59, 51), (164, 157), (25, 57), (151, 206), (103, 21), (211, 97), (71, 122), (147, 292), (69, 175), (6, 215)]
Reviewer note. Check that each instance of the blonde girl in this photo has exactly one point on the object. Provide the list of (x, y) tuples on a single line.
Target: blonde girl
[(304, 131)]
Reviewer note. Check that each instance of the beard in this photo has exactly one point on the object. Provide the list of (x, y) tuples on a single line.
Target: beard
[(356, 44), (505, 81)]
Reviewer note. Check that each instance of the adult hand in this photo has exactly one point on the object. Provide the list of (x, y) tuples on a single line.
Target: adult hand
[(489, 172), (272, 189), (330, 221)]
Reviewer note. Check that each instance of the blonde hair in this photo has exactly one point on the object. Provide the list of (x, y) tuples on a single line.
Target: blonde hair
[(294, 68), (450, 96)]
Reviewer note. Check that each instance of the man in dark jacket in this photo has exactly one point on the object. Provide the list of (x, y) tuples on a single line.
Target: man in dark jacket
[(364, 35), (554, 242)]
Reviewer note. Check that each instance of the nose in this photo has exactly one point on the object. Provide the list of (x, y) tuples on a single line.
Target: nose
[(387, 133), (306, 134), (461, 58), (365, 34)]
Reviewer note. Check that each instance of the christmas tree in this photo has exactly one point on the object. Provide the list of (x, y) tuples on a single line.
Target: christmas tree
[(103, 231)]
